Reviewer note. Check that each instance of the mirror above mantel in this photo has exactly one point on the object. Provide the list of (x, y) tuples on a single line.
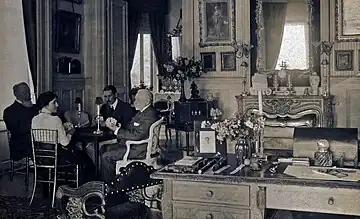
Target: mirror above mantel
[(286, 35)]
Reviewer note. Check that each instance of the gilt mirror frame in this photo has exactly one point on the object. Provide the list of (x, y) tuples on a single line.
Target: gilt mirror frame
[(260, 65), (343, 15), (229, 16)]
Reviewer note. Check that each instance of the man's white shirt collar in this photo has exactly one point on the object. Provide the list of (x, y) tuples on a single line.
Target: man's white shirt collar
[(114, 104), (147, 106)]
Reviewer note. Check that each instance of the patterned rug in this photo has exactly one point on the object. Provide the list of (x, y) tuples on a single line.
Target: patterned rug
[(18, 207)]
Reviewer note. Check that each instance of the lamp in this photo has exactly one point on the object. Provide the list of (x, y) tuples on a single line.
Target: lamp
[(282, 72)]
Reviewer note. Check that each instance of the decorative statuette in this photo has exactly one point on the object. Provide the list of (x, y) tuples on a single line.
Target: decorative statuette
[(314, 80), (323, 157)]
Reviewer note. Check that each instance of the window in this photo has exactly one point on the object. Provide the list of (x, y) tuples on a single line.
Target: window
[(296, 55), (144, 66)]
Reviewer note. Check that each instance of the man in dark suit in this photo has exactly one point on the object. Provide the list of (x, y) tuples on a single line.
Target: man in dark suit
[(17, 118), (138, 129), (115, 108)]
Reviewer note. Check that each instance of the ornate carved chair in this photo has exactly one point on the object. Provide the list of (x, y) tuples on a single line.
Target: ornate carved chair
[(80, 202), (152, 147)]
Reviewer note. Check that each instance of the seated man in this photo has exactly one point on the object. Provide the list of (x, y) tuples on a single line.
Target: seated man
[(17, 118), (115, 108), (77, 116), (138, 129)]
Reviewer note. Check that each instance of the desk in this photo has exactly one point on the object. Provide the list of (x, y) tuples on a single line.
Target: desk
[(248, 193), (87, 135)]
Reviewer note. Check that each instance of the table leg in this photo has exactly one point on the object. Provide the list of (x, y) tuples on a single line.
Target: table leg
[(187, 143), (96, 147)]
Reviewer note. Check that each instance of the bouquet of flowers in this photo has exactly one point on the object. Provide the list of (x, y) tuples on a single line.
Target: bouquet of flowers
[(183, 68), (245, 126)]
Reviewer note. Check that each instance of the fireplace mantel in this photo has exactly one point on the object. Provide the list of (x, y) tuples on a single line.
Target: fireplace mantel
[(291, 106)]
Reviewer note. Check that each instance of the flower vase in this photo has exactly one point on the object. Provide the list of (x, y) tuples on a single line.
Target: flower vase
[(182, 92)]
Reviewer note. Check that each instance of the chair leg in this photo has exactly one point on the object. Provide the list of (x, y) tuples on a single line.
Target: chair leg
[(54, 189), (11, 170), (77, 176), (27, 175), (34, 186)]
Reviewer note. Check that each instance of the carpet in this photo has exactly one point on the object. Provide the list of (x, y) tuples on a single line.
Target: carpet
[(18, 207)]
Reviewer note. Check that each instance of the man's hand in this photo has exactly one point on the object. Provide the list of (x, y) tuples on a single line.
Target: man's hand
[(111, 123)]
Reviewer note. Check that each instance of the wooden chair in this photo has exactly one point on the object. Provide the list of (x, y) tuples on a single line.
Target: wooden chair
[(14, 170), (45, 147)]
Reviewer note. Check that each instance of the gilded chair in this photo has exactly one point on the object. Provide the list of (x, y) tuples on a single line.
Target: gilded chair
[(45, 147)]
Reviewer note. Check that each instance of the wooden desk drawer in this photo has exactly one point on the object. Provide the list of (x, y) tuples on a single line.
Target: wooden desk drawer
[(214, 193), (192, 211), (314, 199)]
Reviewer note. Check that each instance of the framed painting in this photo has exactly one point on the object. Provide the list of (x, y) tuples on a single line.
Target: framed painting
[(228, 61), (347, 21), (217, 22), (344, 60), (67, 32), (209, 61)]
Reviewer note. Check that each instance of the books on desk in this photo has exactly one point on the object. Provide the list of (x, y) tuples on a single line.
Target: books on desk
[(188, 161)]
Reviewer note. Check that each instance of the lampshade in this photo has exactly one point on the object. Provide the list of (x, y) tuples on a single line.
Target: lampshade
[(282, 73)]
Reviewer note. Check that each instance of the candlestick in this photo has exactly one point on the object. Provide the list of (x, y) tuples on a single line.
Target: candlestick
[(260, 102)]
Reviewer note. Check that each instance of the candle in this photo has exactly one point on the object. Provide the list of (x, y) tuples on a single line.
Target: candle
[(260, 102), (98, 110)]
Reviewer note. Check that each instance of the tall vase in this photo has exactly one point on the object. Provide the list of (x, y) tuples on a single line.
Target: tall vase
[(182, 94)]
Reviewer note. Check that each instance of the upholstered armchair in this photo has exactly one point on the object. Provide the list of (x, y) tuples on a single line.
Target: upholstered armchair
[(152, 148), (93, 199)]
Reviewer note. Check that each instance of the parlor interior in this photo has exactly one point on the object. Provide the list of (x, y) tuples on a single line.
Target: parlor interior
[(247, 71)]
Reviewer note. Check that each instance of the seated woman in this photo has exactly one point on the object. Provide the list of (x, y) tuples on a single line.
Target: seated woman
[(47, 119)]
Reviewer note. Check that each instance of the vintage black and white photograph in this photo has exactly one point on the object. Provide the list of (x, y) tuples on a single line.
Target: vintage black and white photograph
[(209, 61), (344, 60), (217, 22), (228, 61), (68, 26)]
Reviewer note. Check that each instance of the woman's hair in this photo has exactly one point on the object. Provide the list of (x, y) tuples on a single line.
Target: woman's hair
[(45, 98)]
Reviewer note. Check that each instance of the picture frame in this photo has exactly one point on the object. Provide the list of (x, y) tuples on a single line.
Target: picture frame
[(344, 60), (68, 26), (228, 61), (347, 21), (209, 61), (217, 22)]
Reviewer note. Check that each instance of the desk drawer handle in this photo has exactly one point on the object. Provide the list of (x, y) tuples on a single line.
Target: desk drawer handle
[(209, 194), (331, 201), (209, 216)]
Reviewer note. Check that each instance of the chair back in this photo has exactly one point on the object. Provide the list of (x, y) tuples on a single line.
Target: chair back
[(45, 147), (154, 138)]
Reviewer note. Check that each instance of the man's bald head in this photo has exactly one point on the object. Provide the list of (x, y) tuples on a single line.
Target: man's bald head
[(22, 91), (143, 98)]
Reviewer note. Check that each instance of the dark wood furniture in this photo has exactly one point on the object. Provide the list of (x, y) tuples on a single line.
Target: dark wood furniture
[(87, 135), (186, 113)]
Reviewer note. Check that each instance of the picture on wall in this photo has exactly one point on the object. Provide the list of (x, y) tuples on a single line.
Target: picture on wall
[(67, 32), (209, 61), (344, 60), (228, 61), (217, 22), (347, 20)]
